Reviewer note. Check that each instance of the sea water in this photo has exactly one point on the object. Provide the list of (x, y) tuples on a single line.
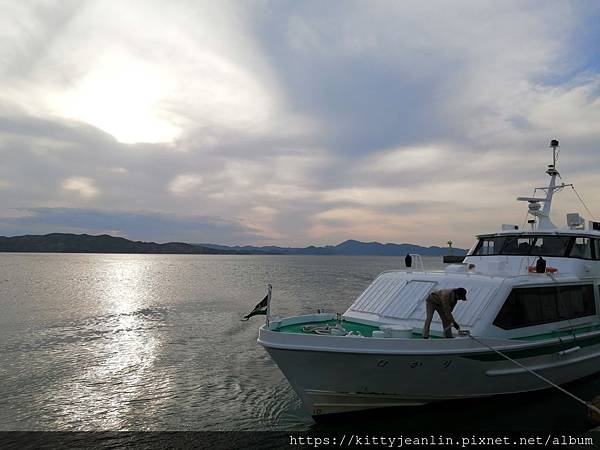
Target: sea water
[(155, 342)]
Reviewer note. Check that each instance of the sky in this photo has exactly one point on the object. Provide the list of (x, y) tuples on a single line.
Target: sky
[(293, 122)]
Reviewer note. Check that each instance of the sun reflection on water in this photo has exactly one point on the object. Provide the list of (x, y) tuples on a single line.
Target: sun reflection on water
[(114, 379), (126, 287)]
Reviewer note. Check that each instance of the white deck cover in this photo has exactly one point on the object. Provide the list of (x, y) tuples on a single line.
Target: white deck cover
[(399, 297)]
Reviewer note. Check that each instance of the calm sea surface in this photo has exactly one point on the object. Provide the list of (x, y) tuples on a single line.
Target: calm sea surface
[(155, 342)]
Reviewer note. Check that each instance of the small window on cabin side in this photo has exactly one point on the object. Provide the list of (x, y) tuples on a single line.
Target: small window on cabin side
[(485, 247), (582, 248), (527, 307)]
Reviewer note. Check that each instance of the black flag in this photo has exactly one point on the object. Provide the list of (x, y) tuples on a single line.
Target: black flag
[(260, 308)]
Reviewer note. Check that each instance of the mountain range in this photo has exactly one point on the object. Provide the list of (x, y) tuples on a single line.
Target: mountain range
[(350, 247), (84, 243)]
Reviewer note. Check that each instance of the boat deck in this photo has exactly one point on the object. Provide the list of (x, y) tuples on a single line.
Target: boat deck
[(348, 325), (367, 330)]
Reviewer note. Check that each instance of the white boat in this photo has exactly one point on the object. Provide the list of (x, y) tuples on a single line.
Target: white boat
[(528, 326)]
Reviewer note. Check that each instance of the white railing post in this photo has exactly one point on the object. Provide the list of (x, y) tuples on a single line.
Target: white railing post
[(418, 261)]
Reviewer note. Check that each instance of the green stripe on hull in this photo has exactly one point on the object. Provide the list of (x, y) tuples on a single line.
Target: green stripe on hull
[(556, 334), (538, 351)]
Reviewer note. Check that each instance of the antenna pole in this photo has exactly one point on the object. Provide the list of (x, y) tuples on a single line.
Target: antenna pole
[(545, 222)]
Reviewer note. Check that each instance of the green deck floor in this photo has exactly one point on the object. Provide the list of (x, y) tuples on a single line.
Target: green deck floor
[(364, 330)]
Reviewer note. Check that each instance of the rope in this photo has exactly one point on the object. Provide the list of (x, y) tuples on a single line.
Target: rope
[(583, 203), (336, 330), (546, 380)]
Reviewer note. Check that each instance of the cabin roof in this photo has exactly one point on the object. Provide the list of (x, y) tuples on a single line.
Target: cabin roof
[(558, 232), (399, 296)]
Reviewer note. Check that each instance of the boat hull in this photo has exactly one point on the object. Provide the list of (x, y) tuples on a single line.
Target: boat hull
[(331, 382)]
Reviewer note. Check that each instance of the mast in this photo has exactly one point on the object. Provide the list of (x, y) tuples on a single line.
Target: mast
[(545, 222), (535, 209)]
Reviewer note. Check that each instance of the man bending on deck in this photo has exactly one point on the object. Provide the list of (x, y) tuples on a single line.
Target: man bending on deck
[(443, 302)]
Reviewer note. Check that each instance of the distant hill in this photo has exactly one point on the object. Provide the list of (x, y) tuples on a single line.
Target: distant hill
[(84, 243), (348, 248)]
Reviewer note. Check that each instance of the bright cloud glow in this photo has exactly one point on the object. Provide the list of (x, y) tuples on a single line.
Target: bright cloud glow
[(185, 184), (555, 107), (407, 159), (145, 72), (121, 97), (82, 186)]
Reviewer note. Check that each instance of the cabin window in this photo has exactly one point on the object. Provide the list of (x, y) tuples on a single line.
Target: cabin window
[(550, 245), (537, 245), (597, 249), (489, 246), (526, 307), (485, 247), (582, 248), (517, 246)]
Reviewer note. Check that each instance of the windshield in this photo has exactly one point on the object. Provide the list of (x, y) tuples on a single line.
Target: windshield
[(523, 245)]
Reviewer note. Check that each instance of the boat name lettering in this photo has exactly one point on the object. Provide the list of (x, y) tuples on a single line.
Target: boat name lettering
[(447, 364), (414, 364), (382, 363)]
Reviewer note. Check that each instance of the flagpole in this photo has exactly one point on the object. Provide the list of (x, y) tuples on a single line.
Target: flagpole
[(269, 287)]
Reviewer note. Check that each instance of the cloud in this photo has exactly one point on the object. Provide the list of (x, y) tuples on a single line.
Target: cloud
[(300, 122), (141, 70), (82, 186), (407, 159), (136, 225), (450, 66), (185, 184)]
